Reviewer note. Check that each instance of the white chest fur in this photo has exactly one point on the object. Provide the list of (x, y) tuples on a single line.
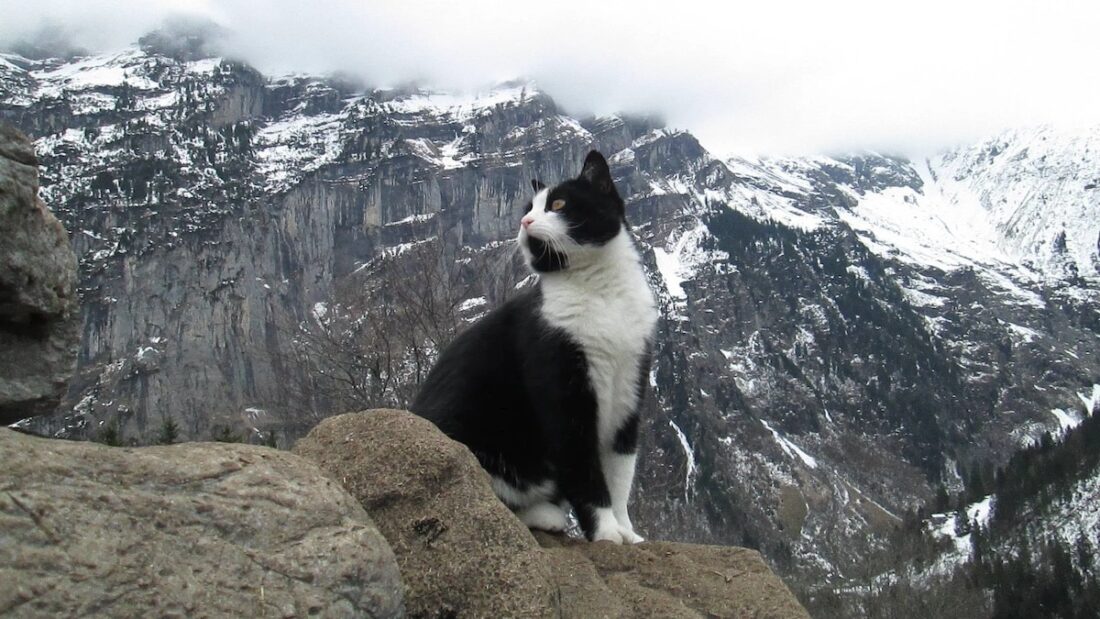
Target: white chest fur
[(607, 307)]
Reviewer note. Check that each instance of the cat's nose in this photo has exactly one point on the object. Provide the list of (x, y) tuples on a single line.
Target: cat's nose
[(526, 221)]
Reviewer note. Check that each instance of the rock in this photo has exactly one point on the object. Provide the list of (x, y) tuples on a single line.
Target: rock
[(38, 303), (462, 553), (200, 529), (665, 579)]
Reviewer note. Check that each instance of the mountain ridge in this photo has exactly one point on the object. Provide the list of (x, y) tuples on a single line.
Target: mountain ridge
[(829, 350)]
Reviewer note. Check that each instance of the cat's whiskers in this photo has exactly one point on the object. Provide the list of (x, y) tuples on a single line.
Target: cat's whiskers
[(545, 249), (559, 250)]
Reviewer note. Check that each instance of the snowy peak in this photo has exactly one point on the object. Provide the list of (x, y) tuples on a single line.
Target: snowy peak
[(1020, 211), (1041, 189)]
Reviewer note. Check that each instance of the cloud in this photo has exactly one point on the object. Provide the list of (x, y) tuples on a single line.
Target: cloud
[(781, 77)]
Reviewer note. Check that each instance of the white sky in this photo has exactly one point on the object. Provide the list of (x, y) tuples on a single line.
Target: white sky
[(769, 77)]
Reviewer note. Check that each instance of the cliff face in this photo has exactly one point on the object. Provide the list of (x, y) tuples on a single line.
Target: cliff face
[(38, 308), (838, 334)]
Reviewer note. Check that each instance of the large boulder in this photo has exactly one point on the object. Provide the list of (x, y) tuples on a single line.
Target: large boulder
[(195, 530), (462, 553), (666, 580), (38, 304)]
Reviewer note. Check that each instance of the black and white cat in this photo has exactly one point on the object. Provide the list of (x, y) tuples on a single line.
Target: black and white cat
[(546, 389)]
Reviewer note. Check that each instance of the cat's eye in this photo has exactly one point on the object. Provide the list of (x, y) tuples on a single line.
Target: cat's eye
[(557, 205)]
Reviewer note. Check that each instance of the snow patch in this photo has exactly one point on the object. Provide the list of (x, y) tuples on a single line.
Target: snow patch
[(668, 264), (790, 448), (1092, 403), (470, 304), (1067, 420), (460, 105), (980, 512), (681, 259), (294, 145), (920, 298), (412, 219), (690, 453), (1026, 334), (859, 272)]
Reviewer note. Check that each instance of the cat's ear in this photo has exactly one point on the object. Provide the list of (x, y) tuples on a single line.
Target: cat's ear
[(537, 185), (597, 173)]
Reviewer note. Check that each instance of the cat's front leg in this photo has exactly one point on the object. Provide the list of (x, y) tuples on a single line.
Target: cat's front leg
[(618, 462), (582, 483), (619, 472), (570, 420)]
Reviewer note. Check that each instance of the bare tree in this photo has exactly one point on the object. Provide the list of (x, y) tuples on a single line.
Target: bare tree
[(377, 339)]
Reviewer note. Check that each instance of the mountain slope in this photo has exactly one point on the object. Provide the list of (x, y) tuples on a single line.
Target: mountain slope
[(837, 333)]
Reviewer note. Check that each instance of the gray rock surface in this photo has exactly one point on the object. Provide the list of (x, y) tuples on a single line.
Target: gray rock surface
[(38, 307), (464, 554), (194, 530), (664, 579)]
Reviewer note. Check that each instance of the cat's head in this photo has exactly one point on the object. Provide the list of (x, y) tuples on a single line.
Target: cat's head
[(566, 224)]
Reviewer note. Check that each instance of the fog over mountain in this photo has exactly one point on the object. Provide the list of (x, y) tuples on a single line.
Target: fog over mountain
[(776, 78)]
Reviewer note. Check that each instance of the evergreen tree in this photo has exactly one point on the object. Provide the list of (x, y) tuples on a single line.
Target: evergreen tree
[(223, 434), (943, 500), (1084, 553), (975, 485), (109, 435), (169, 432)]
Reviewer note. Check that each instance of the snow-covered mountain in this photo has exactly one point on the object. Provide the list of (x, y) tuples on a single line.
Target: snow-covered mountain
[(838, 333)]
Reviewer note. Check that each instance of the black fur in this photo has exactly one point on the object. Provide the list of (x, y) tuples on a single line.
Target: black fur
[(626, 438), (545, 258), (516, 392)]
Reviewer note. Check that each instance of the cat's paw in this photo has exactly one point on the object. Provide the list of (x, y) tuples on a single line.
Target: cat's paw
[(617, 534), (611, 534), (545, 517), (608, 529), (630, 537), (627, 529)]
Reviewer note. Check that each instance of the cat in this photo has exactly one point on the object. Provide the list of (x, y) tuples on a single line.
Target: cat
[(546, 389)]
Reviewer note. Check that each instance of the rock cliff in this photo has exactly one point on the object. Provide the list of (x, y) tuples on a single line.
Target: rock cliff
[(39, 318)]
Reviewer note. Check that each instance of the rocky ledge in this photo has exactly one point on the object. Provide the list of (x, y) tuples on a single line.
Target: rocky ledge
[(378, 515), (193, 530), (463, 554)]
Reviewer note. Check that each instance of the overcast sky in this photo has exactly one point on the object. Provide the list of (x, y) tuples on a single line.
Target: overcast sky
[(771, 77)]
